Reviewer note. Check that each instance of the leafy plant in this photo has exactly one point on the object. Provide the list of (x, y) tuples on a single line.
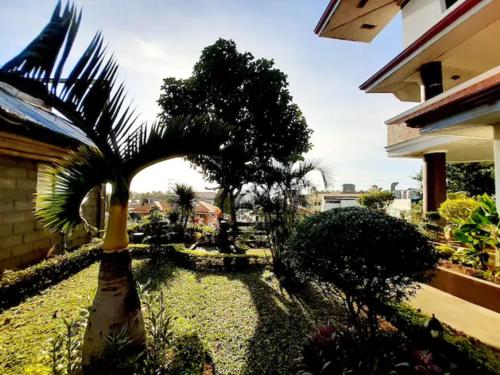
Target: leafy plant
[(376, 200), (456, 209), (363, 257), (470, 257), (445, 251), (481, 229), (159, 333)]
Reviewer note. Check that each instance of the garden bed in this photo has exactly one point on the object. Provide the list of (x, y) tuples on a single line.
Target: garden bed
[(472, 289), (469, 271)]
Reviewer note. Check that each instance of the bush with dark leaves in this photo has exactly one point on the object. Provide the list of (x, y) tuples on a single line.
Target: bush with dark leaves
[(364, 257)]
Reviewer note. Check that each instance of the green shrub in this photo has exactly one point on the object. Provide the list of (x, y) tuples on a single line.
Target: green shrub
[(16, 285), (470, 257), (445, 251), (364, 257), (453, 210), (482, 230), (376, 200)]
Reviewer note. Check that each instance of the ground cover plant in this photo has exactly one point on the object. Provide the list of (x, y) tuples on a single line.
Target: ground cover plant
[(245, 320)]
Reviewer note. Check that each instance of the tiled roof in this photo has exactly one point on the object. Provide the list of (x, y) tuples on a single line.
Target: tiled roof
[(206, 208), (25, 113)]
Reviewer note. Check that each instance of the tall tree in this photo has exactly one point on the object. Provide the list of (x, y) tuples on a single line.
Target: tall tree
[(120, 149), (249, 94)]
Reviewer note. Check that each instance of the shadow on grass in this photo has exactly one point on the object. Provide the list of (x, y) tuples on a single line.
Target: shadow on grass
[(154, 273), (284, 321)]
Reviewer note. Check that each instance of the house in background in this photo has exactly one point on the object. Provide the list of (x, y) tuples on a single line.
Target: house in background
[(144, 207), (206, 213), (31, 137), (449, 65), (320, 201)]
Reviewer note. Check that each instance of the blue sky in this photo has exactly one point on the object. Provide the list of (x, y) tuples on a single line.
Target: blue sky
[(154, 39)]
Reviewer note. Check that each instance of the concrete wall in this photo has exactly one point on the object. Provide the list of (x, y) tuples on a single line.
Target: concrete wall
[(325, 205), (420, 15), (22, 239)]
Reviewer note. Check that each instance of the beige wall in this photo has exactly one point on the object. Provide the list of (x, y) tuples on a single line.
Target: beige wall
[(22, 239), (420, 15)]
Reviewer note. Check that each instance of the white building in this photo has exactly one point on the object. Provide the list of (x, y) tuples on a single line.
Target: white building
[(449, 66)]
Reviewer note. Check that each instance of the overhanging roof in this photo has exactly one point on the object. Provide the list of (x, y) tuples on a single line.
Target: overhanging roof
[(456, 40), (356, 20), (483, 90), (25, 115)]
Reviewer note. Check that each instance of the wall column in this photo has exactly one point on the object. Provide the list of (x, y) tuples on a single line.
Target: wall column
[(434, 174)]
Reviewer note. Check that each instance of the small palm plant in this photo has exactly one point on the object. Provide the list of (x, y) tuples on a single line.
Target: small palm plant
[(183, 200), (119, 148), (280, 197)]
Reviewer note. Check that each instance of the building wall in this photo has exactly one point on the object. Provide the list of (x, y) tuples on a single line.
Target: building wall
[(325, 206), (400, 133), (22, 239), (420, 15)]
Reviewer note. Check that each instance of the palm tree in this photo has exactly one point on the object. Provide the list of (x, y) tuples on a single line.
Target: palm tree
[(184, 200), (91, 100), (281, 196)]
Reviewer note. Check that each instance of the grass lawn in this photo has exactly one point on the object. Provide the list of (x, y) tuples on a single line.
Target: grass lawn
[(248, 324)]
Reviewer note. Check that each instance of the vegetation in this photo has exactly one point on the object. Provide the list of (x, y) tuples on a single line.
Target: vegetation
[(363, 257), (17, 285), (376, 200), (480, 230), (470, 178), (457, 208), (183, 200), (116, 150), (245, 320), (474, 357), (280, 197), (250, 94)]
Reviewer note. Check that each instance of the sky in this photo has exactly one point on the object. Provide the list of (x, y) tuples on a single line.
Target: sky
[(155, 39)]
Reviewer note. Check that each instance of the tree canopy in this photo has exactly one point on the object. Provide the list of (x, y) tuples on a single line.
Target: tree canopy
[(252, 96), (471, 178)]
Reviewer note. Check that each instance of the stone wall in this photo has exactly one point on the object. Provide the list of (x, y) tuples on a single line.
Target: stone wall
[(22, 239)]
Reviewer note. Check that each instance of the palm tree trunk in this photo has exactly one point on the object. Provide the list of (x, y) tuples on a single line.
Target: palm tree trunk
[(116, 305)]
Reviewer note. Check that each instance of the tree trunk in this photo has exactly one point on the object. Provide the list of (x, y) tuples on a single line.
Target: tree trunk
[(116, 304), (232, 205)]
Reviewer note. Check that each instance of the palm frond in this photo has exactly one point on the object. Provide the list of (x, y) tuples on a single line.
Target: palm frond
[(64, 186), (38, 59), (88, 96), (178, 137)]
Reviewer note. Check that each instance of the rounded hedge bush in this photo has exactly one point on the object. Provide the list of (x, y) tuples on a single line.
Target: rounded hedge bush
[(457, 209), (372, 258)]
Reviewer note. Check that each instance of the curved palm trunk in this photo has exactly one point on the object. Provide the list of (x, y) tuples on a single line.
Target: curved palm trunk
[(116, 304)]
